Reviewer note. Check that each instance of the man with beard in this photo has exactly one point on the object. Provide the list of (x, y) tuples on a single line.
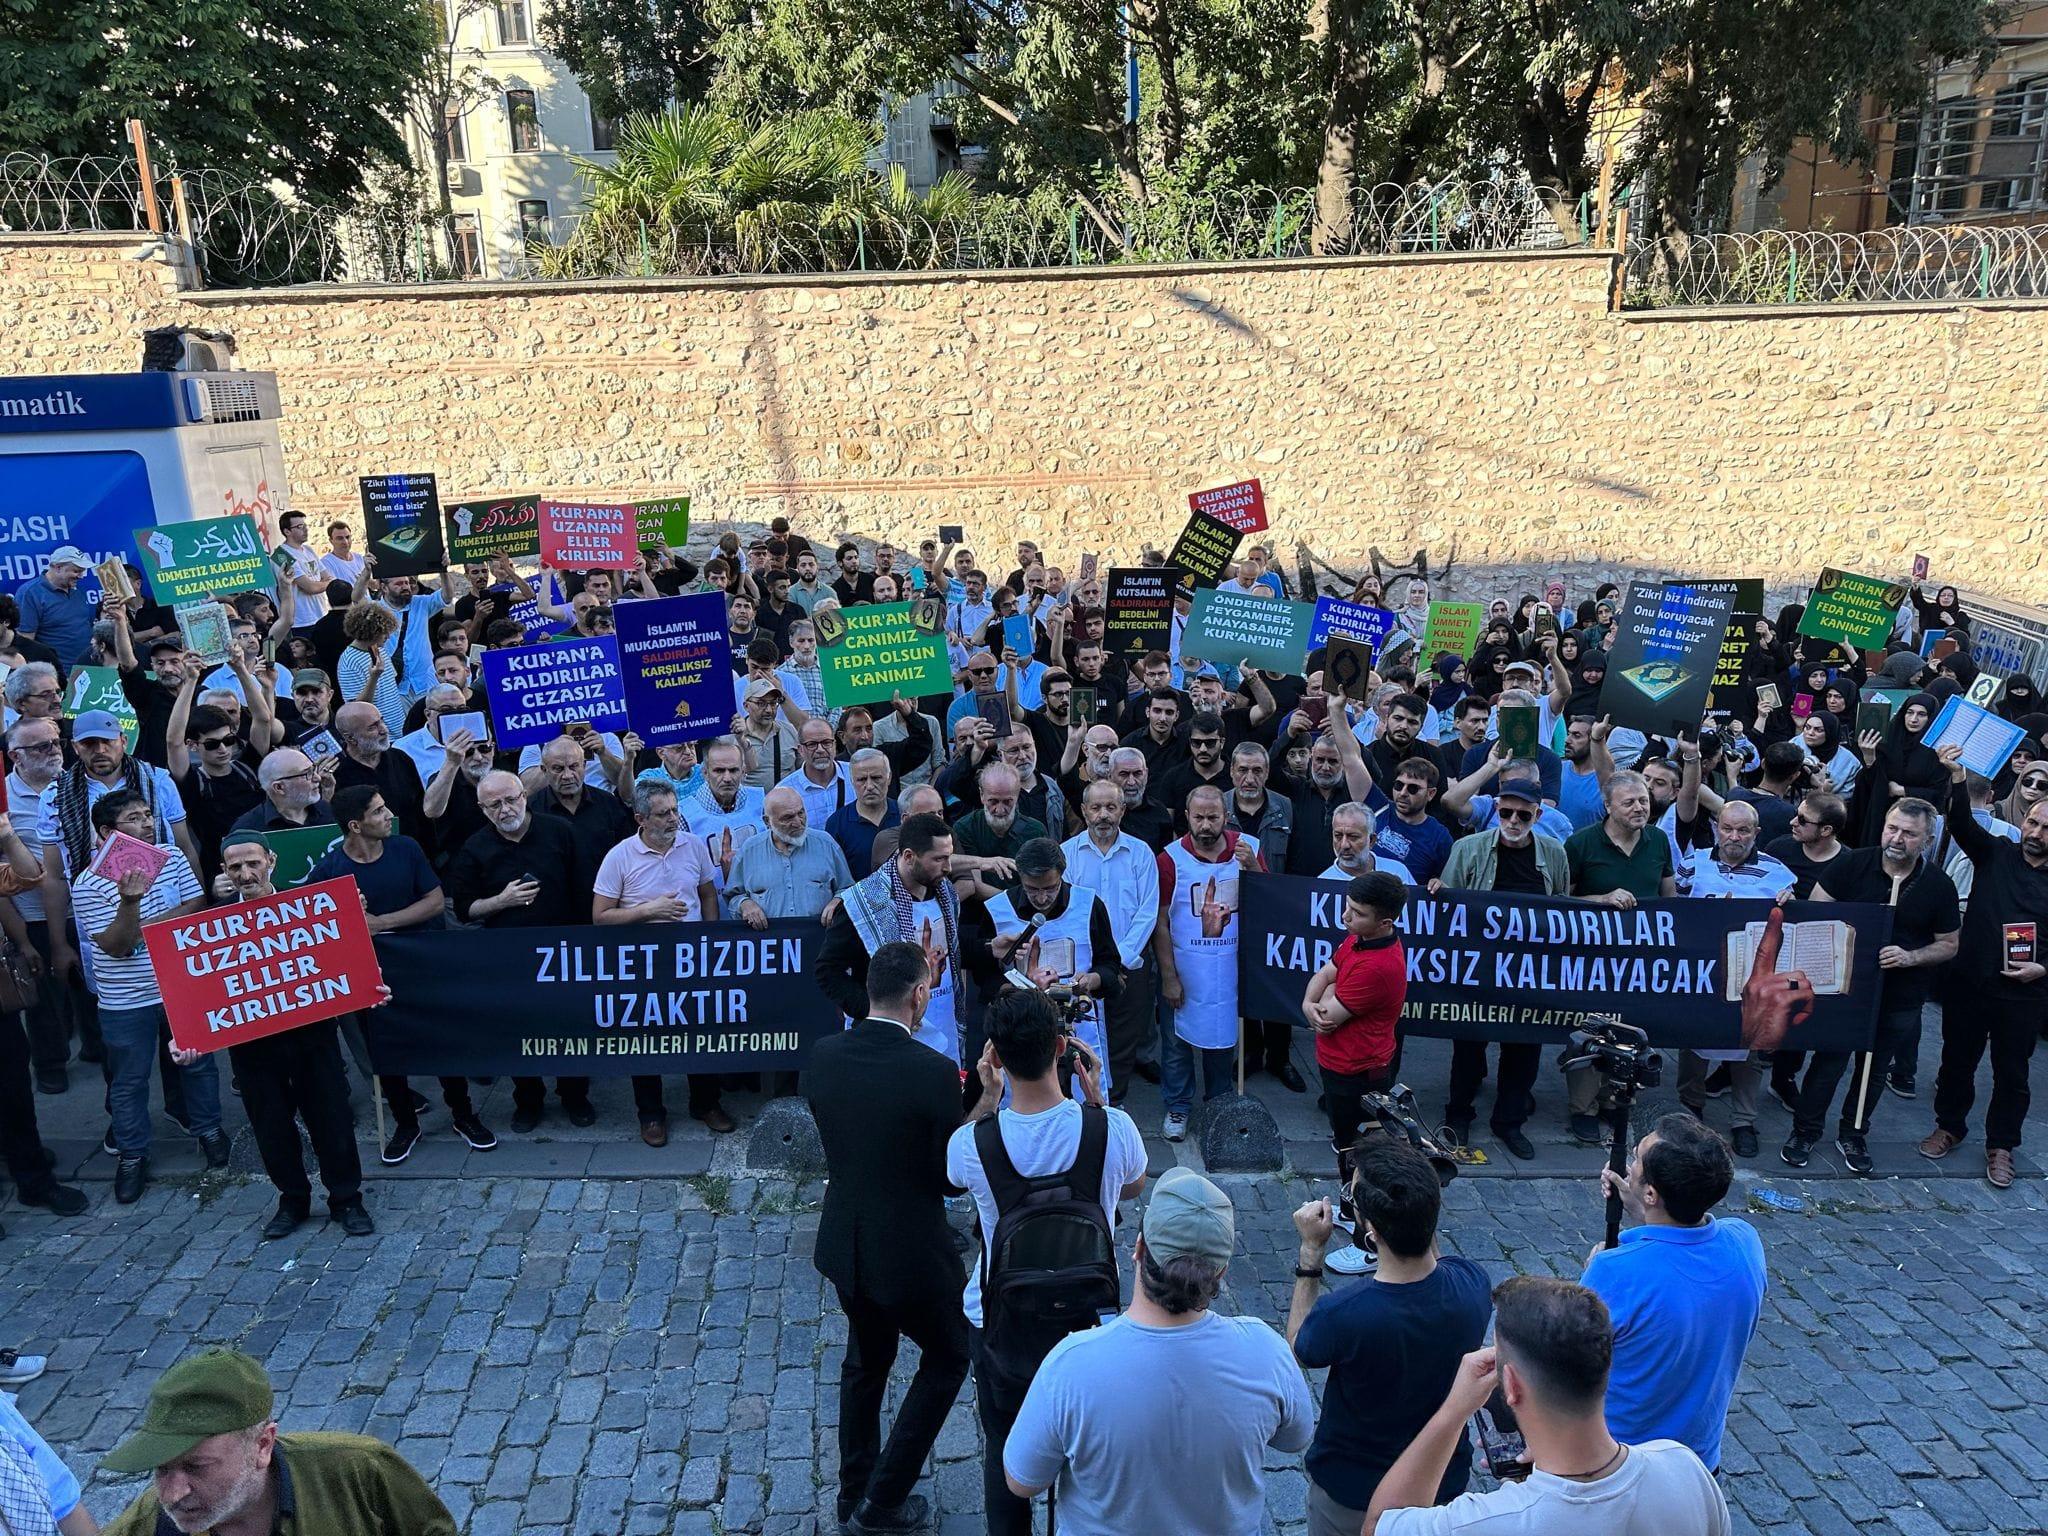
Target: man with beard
[(220, 1465), (820, 780), (1144, 818), (1336, 774), (1038, 799), (1926, 932), (1195, 943), (1251, 807), (854, 825), (523, 871), (1124, 874), (1352, 851), (1578, 786), (1160, 739), (1084, 759), (367, 758), (1204, 766), (996, 832), (1996, 997), (1400, 738), (726, 810), (907, 900), (1059, 936)]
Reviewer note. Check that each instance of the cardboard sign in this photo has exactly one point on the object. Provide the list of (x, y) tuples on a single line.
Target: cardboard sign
[(502, 525), (589, 536), (1452, 627), (1232, 627), (1137, 610), (1856, 610), (665, 523), (1347, 669), (884, 654), (1241, 505), (298, 849), (676, 659), (213, 557), (402, 519), (91, 688), (1205, 549), (1362, 622), (1663, 660), (238, 973), (535, 690)]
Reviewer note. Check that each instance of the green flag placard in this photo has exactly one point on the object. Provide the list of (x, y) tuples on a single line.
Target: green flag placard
[(90, 688), (666, 522), (213, 557), (883, 653), (1233, 627), (1452, 627), (1856, 610), (298, 849), (496, 525)]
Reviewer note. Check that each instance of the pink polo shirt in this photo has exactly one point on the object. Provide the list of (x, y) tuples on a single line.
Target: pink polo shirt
[(633, 872)]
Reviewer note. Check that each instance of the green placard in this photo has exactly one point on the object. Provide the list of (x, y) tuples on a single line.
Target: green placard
[(1452, 627), (298, 849), (666, 523), (214, 557), (496, 525), (883, 654), (91, 688), (1856, 610), (1233, 627)]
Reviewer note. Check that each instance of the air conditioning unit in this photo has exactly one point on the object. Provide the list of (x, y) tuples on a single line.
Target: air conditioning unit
[(463, 181)]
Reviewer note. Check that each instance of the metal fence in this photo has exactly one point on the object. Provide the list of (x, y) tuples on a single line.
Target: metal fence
[(247, 233)]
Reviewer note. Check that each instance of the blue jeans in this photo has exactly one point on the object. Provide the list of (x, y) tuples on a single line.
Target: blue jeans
[(1177, 1070), (131, 1038)]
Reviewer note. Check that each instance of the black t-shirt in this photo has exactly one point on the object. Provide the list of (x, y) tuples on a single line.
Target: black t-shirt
[(1791, 853), (1515, 869), (1927, 906)]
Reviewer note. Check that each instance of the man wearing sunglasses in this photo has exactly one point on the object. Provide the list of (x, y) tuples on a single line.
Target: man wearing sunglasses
[(204, 755), (1508, 856)]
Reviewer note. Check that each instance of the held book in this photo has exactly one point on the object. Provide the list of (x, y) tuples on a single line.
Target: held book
[(121, 853), (1825, 949), (1987, 740)]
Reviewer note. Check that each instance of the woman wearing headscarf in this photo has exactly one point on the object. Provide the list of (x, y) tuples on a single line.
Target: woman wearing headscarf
[(1944, 611), (1450, 685), (1838, 699), (1768, 653), (1901, 669), (2019, 698), (2028, 791), (1903, 764), (1822, 736), (1489, 658), (1588, 674), (1525, 618), (1961, 667)]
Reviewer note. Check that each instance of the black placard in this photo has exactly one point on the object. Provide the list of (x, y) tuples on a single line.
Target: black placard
[(402, 523)]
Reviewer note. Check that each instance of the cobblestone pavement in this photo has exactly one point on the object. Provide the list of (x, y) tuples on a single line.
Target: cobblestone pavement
[(657, 1355)]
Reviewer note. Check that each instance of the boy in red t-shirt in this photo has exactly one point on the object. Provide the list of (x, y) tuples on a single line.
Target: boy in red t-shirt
[(1354, 1004)]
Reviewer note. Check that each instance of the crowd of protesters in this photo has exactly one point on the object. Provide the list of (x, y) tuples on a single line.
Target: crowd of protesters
[(1075, 820)]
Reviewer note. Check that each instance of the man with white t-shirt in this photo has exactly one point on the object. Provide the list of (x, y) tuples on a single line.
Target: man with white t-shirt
[(1040, 1131), (1352, 827), (303, 572), (1553, 1343)]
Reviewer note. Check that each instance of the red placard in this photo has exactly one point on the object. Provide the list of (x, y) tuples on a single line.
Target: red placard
[(1241, 506), (237, 973), (587, 536)]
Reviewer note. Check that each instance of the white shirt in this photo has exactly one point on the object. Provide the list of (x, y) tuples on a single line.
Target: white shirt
[(426, 752), (127, 981), (1380, 862), (1044, 1142), (223, 677), (1759, 880), (308, 608), (1127, 880), (349, 570), (1661, 1489)]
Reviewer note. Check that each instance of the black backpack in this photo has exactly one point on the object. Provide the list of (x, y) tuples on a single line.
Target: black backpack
[(1050, 1268)]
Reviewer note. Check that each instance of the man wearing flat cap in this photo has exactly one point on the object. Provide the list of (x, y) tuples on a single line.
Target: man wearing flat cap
[(1189, 1446), (221, 1468)]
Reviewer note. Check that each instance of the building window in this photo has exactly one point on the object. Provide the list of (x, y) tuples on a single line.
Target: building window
[(533, 221), (454, 142), (522, 114), (465, 248), (601, 129), (514, 26)]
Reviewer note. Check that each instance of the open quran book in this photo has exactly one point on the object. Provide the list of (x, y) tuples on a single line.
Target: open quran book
[(1825, 950)]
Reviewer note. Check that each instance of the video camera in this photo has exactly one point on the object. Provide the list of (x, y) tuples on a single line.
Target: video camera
[(1072, 1009), (1397, 1114), (1620, 1052)]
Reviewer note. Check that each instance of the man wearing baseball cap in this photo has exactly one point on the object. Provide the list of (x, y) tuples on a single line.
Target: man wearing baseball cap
[(1169, 1408), (222, 1468), (54, 607)]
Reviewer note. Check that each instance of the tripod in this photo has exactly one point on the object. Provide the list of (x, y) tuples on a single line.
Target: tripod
[(1622, 1093)]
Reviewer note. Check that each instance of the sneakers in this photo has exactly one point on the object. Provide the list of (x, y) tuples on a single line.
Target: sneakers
[(1346, 1219), (1998, 1168), (475, 1132), (1175, 1126), (18, 1370), (1854, 1152), (215, 1145), (420, 1105), (1904, 1087), (1939, 1144), (403, 1139), (1797, 1151), (1355, 1260), (130, 1175), (1587, 1131), (1745, 1141)]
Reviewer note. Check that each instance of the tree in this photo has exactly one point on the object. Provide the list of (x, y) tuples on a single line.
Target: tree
[(633, 55), (306, 92), (450, 80)]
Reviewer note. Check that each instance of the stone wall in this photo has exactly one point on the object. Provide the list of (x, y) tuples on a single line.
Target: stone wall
[(1494, 402)]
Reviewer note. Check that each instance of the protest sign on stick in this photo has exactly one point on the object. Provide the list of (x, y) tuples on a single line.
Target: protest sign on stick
[(676, 658)]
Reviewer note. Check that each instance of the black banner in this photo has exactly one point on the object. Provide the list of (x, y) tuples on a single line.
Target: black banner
[(599, 1002), (1485, 966), (1138, 609)]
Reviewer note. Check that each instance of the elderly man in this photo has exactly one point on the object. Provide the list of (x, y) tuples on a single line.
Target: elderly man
[(54, 607), (524, 871), (1038, 798), (855, 826), (1351, 842), (983, 691), (801, 676), (367, 758), (726, 810), (294, 794), (1337, 775), (792, 872), (659, 876), (598, 820), (1252, 807), (220, 1465), (993, 835), (1144, 818), (424, 745), (1124, 874), (918, 800), (820, 780), (313, 699), (769, 737)]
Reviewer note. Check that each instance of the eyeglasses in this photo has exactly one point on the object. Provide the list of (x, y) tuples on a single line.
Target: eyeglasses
[(1508, 813), (500, 805), (303, 773), (38, 747), (44, 693)]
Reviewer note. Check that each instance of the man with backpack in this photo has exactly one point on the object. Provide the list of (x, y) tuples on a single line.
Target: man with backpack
[(1046, 1173)]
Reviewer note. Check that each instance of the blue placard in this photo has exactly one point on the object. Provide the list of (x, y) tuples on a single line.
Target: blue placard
[(535, 690), (676, 660), (1350, 621), (93, 500), (1017, 635)]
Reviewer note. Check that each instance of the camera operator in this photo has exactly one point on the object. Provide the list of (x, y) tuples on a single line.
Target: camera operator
[(1353, 1004), (1041, 916), (1393, 1345), (1552, 1347), (1684, 1290), (1041, 1138)]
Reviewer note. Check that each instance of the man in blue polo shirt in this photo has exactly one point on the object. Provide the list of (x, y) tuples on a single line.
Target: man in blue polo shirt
[(1684, 1290), (55, 609)]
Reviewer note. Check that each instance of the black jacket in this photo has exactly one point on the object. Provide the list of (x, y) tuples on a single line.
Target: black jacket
[(885, 1107)]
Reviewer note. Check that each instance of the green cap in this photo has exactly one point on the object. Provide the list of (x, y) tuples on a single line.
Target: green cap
[(213, 1393), (1189, 1218)]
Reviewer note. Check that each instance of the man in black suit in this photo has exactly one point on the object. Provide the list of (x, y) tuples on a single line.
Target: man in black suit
[(885, 1106)]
